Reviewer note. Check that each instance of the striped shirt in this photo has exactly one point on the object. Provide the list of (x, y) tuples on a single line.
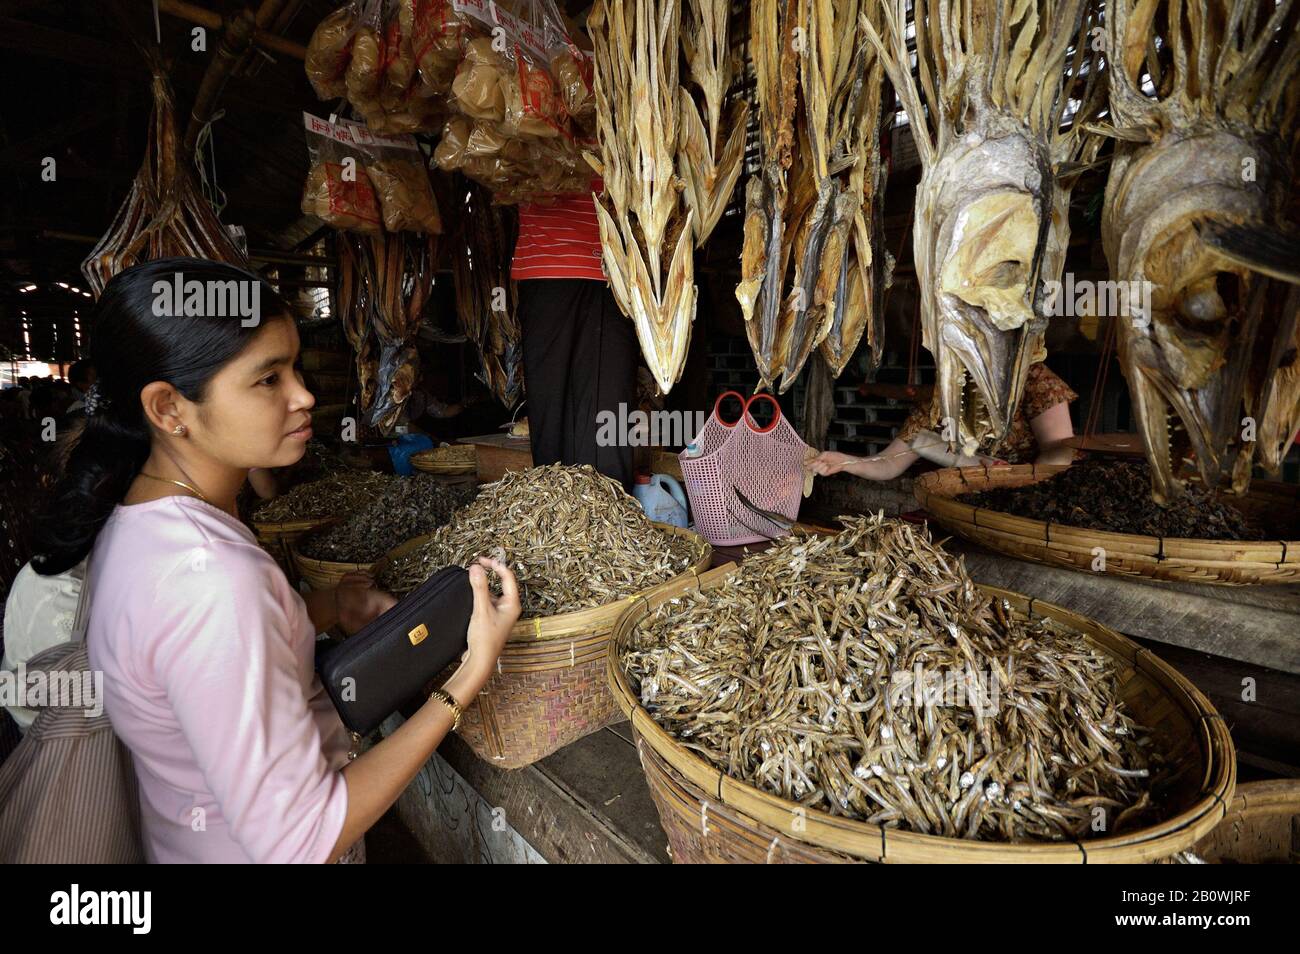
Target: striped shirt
[(559, 239)]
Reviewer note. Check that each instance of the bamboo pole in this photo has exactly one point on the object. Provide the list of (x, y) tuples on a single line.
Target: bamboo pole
[(193, 13)]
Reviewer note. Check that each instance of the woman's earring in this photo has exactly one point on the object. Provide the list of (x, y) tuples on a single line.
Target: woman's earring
[(179, 430)]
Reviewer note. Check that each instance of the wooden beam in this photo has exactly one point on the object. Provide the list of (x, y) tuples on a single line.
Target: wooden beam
[(196, 14)]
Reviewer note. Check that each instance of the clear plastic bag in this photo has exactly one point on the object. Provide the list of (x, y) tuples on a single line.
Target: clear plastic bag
[(338, 191), (399, 173), (478, 85), (329, 51)]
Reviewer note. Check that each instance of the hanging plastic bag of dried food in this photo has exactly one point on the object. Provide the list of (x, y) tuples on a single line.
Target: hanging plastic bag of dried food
[(449, 154), (329, 50), (572, 67), (533, 106), (338, 191), (477, 88), (440, 31), (399, 172), (365, 72)]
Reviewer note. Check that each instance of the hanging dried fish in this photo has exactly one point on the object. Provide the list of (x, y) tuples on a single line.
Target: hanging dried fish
[(646, 230), (573, 537), (1198, 215), (815, 210), (165, 214), (710, 153), (486, 298), (990, 218), (864, 675)]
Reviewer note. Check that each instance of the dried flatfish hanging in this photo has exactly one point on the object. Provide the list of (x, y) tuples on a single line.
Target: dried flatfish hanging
[(165, 214), (1196, 216), (339, 493), (864, 675), (990, 220), (486, 298), (646, 227), (573, 537), (711, 149), (407, 508), (1115, 495), (809, 274)]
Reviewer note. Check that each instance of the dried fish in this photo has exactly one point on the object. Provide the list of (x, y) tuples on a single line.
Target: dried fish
[(815, 209), (165, 214), (710, 154), (407, 508), (864, 674), (1197, 214), (574, 538), (986, 112), (647, 231), (339, 493), (1115, 495)]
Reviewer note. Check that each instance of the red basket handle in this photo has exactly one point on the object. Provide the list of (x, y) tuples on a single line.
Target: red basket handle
[(717, 405), (776, 413)]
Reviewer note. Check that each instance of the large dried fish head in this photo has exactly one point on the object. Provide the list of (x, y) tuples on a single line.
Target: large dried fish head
[(1188, 239), (983, 225)]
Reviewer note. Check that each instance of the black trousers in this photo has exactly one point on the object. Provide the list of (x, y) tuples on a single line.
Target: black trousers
[(580, 358)]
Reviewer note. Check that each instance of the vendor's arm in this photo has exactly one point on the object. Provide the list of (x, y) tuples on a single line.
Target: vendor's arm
[(1052, 428), (897, 457)]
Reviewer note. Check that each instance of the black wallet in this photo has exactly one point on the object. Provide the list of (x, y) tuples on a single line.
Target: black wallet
[(395, 655)]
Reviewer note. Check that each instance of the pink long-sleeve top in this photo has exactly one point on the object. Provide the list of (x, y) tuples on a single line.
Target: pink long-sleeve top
[(207, 654)]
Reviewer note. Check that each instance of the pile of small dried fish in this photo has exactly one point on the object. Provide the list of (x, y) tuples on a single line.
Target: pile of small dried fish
[(339, 493), (408, 508), (647, 230), (812, 273), (864, 675), (165, 214), (573, 537), (1115, 495)]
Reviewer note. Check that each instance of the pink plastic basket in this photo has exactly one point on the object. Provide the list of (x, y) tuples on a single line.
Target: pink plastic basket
[(764, 463)]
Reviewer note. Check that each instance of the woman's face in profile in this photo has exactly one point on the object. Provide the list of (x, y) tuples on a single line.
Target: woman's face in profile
[(256, 411)]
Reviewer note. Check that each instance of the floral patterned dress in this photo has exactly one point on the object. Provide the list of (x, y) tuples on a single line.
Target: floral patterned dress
[(1043, 390)]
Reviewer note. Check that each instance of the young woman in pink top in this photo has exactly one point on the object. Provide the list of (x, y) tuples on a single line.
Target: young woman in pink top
[(206, 650)]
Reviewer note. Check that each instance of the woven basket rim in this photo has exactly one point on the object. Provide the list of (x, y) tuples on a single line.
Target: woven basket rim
[(863, 840), (923, 489)]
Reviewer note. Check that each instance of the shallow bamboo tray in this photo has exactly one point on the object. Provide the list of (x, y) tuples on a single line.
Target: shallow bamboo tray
[(1224, 562), (550, 687), (710, 817), (452, 459), (1262, 826)]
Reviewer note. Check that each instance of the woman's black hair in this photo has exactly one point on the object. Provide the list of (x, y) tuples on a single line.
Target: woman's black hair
[(142, 332)]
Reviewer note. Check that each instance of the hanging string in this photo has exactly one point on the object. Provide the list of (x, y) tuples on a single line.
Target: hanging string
[(205, 154), (1099, 382)]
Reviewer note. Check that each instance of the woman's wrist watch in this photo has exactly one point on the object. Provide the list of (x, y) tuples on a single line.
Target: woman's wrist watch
[(445, 697)]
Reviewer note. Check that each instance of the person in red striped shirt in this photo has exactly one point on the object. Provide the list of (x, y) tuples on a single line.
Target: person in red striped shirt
[(580, 352)]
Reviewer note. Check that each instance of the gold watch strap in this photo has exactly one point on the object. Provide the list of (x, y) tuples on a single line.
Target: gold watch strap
[(445, 697)]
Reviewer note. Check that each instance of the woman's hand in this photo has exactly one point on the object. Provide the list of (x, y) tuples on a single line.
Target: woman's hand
[(359, 601), (489, 628), (830, 462)]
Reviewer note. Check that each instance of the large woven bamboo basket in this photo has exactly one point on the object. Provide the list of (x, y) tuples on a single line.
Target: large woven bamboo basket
[(277, 538), (1224, 562), (1262, 826), (450, 459), (710, 817), (550, 687)]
